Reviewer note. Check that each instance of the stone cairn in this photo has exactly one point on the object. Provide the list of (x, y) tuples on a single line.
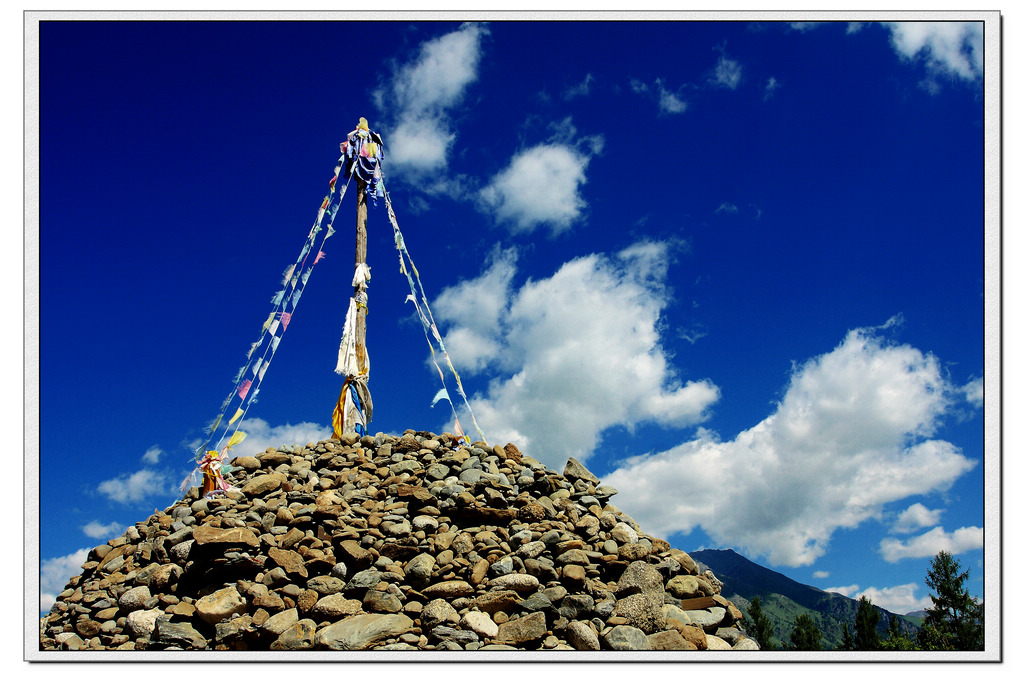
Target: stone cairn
[(406, 543)]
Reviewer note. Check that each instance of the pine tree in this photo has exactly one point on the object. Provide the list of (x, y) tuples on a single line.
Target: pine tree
[(761, 626), (956, 619), (805, 635), (896, 640), (847, 644), (865, 625)]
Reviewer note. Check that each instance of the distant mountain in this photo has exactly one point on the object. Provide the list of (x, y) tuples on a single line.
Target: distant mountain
[(783, 599)]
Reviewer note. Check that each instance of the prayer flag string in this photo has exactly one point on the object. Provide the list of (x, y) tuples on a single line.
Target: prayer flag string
[(262, 351), (427, 319)]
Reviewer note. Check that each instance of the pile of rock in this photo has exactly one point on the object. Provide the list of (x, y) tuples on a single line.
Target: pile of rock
[(393, 543)]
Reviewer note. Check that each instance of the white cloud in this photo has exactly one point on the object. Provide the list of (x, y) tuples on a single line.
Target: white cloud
[(931, 543), (420, 94), (580, 89), (540, 186), (136, 487), (846, 590), (949, 49), (820, 575), (899, 599), (54, 575), (847, 439), (770, 87), (260, 435), (728, 73), (668, 101), (95, 529), (726, 207), (474, 309), (152, 455), (579, 352), (974, 392), (914, 517)]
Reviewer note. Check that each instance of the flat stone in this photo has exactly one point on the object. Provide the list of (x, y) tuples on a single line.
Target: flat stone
[(178, 634), (522, 630), (205, 536), (280, 622), (289, 560), (449, 589), (519, 582), (707, 618), (357, 633), (222, 604), (480, 623)]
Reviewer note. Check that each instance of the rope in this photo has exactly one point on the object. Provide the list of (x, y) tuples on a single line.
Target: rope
[(427, 319), (294, 284)]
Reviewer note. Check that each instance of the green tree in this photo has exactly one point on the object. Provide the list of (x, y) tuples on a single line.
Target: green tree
[(847, 644), (956, 621), (761, 626), (805, 635), (896, 639), (865, 626)]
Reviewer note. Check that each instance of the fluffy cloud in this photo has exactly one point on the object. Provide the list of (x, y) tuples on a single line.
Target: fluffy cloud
[(900, 599), (949, 49), (932, 542), (420, 94), (914, 517), (974, 392), (54, 575), (728, 73), (575, 354), (820, 575), (260, 435), (669, 102), (137, 486), (540, 186), (95, 529), (152, 455), (849, 437)]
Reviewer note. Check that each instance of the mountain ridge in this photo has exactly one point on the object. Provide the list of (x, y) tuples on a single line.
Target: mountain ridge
[(783, 598)]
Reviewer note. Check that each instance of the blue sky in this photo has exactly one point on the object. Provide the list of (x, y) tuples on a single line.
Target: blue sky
[(737, 269)]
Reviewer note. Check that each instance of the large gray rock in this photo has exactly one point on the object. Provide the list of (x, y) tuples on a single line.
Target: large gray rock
[(178, 634), (627, 638), (357, 633), (582, 637)]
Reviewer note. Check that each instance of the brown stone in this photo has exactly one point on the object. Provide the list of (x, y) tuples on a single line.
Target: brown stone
[(497, 600), (263, 484), (290, 561), (694, 635), (523, 630), (208, 535), (669, 640)]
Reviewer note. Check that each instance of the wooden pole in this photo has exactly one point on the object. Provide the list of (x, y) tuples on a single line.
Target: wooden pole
[(360, 258), (359, 294)]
